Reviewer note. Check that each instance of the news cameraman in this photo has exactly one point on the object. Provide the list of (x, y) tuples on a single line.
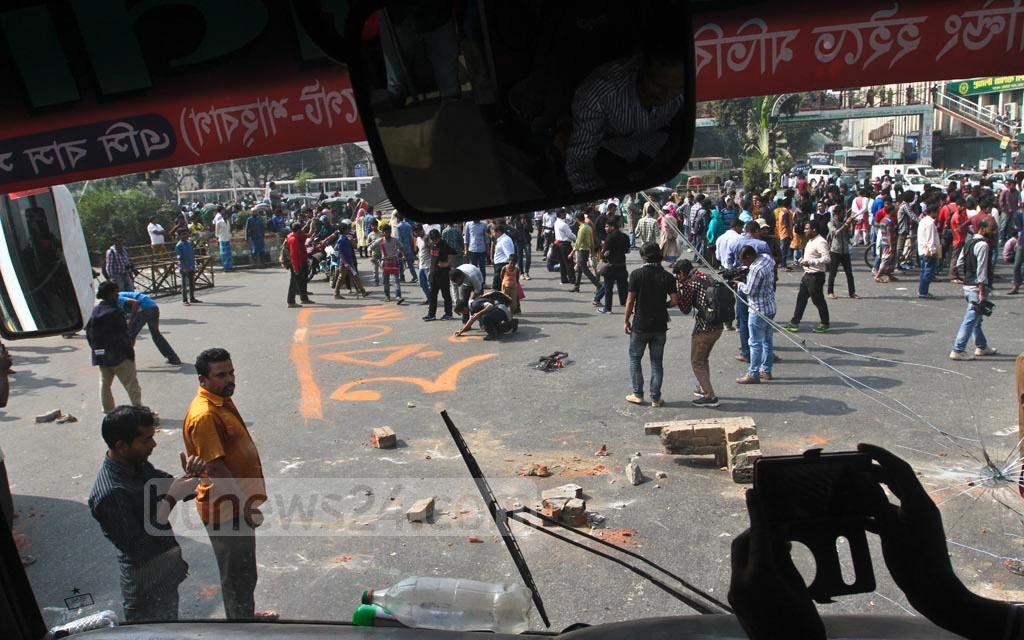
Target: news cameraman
[(975, 263)]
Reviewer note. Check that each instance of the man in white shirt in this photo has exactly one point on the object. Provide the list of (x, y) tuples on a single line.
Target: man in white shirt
[(468, 284), (547, 222), (564, 239), (927, 249), (503, 248), (812, 286), (222, 229), (157, 235)]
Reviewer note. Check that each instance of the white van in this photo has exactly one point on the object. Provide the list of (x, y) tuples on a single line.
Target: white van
[(922, 170), (822, 172)]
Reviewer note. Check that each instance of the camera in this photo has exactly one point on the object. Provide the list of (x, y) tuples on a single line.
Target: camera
[(738, 274), (984, 307)]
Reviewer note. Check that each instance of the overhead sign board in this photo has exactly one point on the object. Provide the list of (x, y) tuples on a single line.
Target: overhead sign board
[(985, 85)]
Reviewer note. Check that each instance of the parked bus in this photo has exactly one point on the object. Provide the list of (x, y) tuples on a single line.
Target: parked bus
[(346, 187), (711, 170), (853, 160), (219, 196)]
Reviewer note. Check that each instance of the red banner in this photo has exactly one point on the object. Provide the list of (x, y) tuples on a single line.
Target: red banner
[(791, 47), (266, 102)]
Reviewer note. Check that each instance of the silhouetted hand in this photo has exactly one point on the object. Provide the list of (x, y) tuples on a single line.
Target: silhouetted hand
[(913, 539), (767, 592)]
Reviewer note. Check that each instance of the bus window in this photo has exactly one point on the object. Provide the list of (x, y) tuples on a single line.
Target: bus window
[(36, 282), (350, 186)]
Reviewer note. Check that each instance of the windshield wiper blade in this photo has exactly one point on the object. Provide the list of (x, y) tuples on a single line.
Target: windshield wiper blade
[(498, 515), (501, 516)]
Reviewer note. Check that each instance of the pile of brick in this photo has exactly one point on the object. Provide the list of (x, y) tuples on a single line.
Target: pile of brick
[(565, 505), (733, 442)]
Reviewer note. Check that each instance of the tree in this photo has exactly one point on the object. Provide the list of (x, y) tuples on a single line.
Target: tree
[(106, 212), (302, 178)]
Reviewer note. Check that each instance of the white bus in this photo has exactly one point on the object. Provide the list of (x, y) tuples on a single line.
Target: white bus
[(218, 196), (346, 187), (853, 160)]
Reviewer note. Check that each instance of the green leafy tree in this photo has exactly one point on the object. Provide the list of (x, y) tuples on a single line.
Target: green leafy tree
[(302, 178), (106, 213)]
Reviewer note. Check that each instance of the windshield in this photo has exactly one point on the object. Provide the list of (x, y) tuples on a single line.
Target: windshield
[(293, 329)]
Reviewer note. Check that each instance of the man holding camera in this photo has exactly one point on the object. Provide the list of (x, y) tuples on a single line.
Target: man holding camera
[(975, 264), (758, 292)]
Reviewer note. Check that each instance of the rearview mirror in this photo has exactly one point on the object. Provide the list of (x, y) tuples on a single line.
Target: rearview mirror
[(503, 106)]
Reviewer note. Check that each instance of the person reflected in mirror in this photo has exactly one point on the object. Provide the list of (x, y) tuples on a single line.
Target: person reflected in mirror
[(771, 599), (622, 115), (407, 27), (492, 310), (132, 501)]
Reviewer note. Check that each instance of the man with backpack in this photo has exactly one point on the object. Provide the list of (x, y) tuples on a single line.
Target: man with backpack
[(713, 305), (649, 287)]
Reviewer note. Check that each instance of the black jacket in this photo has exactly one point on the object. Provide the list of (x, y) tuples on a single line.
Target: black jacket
[(107, 332)]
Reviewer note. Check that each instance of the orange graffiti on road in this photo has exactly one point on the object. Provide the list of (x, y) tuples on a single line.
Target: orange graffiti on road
[(447, 381), (372, 323)]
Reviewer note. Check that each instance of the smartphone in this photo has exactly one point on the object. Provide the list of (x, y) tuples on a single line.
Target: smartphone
[(813, 499)]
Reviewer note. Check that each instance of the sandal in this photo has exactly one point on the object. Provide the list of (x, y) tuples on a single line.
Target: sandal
[(832, 296)]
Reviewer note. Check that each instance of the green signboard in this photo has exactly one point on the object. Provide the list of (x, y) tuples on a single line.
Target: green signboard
[(985, 85)]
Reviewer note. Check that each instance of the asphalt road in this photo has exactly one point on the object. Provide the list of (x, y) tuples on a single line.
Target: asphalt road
[(312, 383)]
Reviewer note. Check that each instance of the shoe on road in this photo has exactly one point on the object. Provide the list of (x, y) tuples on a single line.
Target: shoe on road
[(960, 355), (447, 316), (698, 392), (515, 325), (658, 403), (742, 358), (987, 351), (766, 375), (706, 401), (792, 328), (822, 328), (927, 296), (194, 301), (400, 301), (602, 310), (292, 305), (748, 379), (429, 318), (526, 276), (635, 399)]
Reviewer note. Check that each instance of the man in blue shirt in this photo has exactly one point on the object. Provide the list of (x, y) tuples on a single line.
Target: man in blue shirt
[(345, 254), (186, 267), (143, 311), (403, 231), (255, 230), (475, 236)]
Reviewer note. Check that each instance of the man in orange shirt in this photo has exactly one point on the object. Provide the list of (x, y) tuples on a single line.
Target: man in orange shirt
[(229, 505)]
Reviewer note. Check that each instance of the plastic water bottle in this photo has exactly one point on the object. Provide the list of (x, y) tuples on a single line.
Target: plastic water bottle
[(370, 615), (101, 620), (454, 604)]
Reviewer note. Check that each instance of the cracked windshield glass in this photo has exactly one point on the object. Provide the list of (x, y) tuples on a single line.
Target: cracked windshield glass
[(248, 382)]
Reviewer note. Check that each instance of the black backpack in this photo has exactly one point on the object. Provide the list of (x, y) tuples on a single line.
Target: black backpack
[(721, 303)]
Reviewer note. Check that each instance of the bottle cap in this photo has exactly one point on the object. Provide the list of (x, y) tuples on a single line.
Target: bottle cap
[(367, 597), (364, 615)]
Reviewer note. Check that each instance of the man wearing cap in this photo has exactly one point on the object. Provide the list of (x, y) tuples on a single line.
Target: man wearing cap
[(112, 351)]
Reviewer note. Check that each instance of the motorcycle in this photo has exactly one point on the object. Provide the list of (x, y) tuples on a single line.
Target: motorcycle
[(318, 263)]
